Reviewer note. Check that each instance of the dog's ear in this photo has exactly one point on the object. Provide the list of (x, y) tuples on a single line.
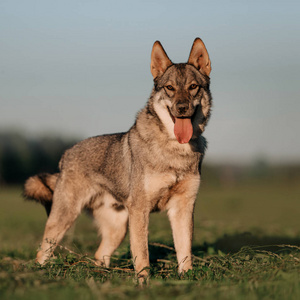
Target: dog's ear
[(159, 60), (199, 57)]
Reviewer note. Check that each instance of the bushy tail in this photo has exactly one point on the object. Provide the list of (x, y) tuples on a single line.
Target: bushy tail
[(40, 189)]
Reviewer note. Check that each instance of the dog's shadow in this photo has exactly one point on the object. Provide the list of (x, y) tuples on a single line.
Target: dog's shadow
[(234, 243), (228, 244)]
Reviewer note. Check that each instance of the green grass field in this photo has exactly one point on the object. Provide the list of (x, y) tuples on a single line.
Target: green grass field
[(246, 246)]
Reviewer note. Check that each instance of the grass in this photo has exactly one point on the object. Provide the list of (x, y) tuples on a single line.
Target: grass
[(246, 246)]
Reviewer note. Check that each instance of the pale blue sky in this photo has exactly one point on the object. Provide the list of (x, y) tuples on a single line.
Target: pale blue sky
[(82, 68)]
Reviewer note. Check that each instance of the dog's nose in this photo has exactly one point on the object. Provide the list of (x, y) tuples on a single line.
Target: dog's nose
[(182, 108)]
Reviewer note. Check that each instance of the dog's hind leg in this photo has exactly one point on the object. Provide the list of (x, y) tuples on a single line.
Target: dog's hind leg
[(65, 210), (111, 219)]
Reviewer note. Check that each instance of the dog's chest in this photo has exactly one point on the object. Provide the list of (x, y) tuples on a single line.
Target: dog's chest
[(160, 187)]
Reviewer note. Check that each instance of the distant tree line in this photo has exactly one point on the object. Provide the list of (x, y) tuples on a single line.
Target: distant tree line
[(22, 156)]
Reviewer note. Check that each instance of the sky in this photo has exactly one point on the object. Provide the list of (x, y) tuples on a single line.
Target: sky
[(82, 68)]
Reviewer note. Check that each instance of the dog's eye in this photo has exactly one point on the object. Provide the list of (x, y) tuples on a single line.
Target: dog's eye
[(170, 88), (193, 86)]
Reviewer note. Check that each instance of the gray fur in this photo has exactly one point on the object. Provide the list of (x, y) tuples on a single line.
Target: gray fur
[(123, 177)]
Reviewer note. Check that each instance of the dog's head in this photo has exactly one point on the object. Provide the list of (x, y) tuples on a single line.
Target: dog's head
[(183, 89)]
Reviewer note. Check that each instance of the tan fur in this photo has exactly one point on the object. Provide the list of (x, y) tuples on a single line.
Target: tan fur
[(199, 57), (159, 60), (122, 178), (112, 224), (40, 187)]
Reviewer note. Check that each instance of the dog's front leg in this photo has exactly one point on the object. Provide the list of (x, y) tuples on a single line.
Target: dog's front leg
[(181, 216), (182, 224), (138, 229)]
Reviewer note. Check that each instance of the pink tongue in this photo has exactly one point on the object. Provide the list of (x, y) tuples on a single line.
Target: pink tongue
[(183, 130)]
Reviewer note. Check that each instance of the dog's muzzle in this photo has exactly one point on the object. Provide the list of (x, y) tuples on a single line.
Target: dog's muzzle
[(183, 128)]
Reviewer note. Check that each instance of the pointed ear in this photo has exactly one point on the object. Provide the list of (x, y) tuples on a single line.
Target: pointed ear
[(199, 57), (159, 60)]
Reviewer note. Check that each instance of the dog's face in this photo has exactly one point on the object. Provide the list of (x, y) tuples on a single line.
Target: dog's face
[(183, 89)]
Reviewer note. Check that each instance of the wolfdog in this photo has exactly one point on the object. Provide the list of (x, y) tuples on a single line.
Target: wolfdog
[(122, 177)]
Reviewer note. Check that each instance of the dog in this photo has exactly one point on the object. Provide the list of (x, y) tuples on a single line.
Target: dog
[(121, 178)]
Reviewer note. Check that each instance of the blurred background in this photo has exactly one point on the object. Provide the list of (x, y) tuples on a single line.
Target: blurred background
[(74, 69)]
